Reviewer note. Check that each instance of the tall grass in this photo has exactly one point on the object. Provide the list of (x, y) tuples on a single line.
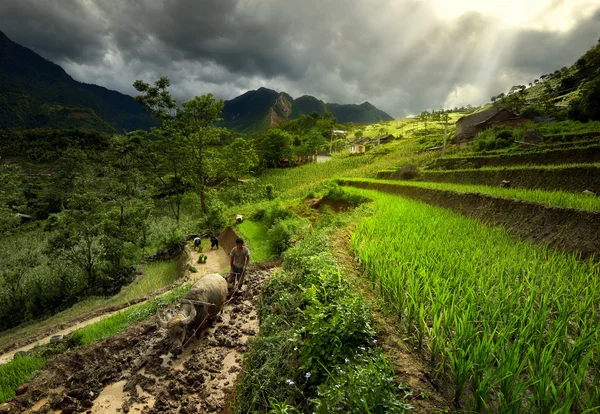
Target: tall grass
[(551, 198), (17, 372), (494, 316)]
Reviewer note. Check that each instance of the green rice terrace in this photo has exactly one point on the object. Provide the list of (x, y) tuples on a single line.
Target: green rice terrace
[(390, 281)]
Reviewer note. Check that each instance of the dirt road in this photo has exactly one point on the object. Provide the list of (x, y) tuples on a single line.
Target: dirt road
[(133, 372), (217, 260)]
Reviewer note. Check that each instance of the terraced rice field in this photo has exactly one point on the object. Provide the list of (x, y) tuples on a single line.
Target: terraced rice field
[(514, 327), (550, 198)]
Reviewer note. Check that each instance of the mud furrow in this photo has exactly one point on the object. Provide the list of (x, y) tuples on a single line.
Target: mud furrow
[(133, 372)]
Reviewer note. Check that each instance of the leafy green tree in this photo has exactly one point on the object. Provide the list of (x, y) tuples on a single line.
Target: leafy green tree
[(11, 196), (195, 121), (179, 154), (587, 107), (313, 142), (240, 158), (156, 99), (273, 147), (77, 235)]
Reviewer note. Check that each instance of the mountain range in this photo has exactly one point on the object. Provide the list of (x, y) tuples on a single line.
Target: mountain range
[(263, 108), (37, 93)]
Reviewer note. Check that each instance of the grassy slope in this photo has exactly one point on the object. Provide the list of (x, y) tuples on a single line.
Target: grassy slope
[(254, 234)]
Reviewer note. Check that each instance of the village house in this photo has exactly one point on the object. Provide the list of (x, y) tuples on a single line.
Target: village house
[(359, 145), (469, 126)]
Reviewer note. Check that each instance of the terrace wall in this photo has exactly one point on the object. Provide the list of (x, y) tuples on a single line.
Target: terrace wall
[(566, 229), (563, 156), (571, 179)]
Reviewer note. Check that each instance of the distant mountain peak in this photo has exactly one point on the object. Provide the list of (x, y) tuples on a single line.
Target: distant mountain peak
[(264, 108), (367, 105)]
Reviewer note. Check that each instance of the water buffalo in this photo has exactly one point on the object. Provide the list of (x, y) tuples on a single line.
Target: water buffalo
[(204, 300)]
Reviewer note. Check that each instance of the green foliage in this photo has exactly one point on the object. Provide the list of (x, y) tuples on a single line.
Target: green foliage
[(44, 145), (215, 218), (461, 320), (296, 351), (281, 235), (11, 197), (274, 147), (364, 384), (276, 211), (333, 331), (336, 192), (17, 372), (201, 259), (587, 107), (498, 137), (269, 191)]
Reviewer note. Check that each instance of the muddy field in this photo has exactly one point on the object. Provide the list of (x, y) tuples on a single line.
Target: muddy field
[(133, 371)]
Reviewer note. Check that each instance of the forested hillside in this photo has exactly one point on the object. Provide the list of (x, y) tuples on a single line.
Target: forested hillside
[(38, 93)]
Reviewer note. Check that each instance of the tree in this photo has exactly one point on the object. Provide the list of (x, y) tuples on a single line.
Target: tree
[(274, 147), (77, 235), (157, 100), (11, 196), (358, 134), (196, 122), (240, 158), (587, 107), (179, 154)]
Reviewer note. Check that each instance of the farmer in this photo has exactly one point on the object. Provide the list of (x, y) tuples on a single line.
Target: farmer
[(238, 259), (197, 242), (214, 242)]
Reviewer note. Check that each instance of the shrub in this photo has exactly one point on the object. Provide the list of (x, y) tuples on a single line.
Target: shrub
[(215, 219), (269, 191), (281, 236), (333, 332), (276, 211), (364, 384)]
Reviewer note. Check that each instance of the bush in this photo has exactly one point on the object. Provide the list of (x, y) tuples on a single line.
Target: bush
[(333, 332), (335, 192), (365, 384), (215, 219), (276, 211), (494, 139), (281, 235)]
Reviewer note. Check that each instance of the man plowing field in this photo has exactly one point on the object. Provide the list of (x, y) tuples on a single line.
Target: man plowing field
[(238, 260)]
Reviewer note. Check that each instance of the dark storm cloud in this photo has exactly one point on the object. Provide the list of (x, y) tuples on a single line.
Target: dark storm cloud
[(396, 54)]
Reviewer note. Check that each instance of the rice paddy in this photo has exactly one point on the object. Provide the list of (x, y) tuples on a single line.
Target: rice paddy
[(512, 327)]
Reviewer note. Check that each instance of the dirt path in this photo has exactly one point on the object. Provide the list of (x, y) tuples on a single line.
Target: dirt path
[(217, 261), (133, 372)]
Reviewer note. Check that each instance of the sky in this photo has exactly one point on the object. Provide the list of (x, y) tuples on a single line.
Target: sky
[(403, 56)]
